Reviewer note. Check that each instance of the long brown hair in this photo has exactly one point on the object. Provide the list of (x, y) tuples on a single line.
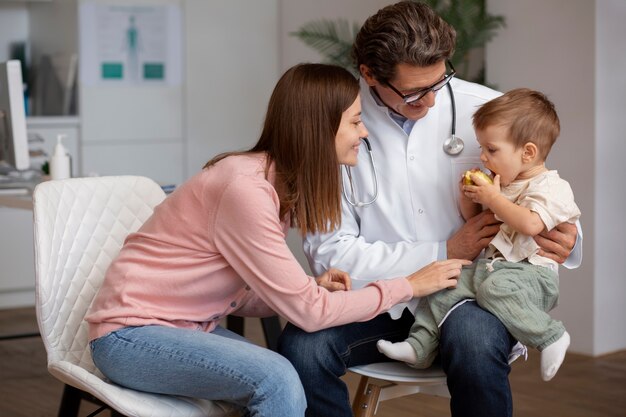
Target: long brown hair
[(302, 120)]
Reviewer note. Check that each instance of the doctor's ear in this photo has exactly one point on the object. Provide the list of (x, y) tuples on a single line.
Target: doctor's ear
[(530, 152), (366, 73)]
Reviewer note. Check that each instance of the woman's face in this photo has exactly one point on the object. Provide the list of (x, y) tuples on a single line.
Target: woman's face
[(349, 134)]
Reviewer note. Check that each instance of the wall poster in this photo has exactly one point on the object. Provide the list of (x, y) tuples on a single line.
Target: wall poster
[(130, 44)]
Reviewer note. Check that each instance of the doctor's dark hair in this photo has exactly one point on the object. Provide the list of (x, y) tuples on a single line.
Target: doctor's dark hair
[(529, 116), (302, 120), (403, 33)]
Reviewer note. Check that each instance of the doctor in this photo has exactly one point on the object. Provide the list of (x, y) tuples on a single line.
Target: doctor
[(402, 53)]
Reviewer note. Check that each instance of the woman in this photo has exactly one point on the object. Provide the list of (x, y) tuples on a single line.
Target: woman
[(216, 246)]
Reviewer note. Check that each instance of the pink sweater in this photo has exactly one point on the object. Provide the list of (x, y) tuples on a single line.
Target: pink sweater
[(216, 246)]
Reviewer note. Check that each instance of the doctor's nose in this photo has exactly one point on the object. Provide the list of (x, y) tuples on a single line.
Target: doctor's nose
[(429, 99)]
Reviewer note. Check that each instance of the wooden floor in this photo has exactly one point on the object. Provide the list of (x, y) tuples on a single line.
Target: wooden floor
[(584, 387)]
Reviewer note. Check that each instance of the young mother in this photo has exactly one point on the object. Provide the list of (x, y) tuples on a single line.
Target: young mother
[(216, 246)]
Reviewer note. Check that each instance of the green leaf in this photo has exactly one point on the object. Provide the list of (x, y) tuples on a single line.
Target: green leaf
[(332, 39)]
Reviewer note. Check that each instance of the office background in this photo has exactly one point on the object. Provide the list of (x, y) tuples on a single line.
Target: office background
[(235, 50)]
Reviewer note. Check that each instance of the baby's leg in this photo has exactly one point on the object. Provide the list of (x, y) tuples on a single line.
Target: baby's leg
[(552, 357), (401, 351), (520, 295), (420, 348)]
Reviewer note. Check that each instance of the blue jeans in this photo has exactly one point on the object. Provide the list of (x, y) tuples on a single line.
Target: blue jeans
[(474, 350), (216, 366)]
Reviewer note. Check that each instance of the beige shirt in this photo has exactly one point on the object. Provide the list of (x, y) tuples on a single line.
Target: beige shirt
[(548, 195)]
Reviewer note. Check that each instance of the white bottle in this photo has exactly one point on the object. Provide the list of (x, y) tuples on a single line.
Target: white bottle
[(60, 161)]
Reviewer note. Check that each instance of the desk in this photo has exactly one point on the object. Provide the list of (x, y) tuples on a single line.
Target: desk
[(24, 202)]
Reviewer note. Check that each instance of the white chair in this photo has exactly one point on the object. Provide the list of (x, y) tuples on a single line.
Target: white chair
[(398, 380), (80, 225)]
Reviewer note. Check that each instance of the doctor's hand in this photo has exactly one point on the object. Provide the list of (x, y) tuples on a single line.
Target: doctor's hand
[(334, 280), (436, 276), (558, 243), (473, 236)]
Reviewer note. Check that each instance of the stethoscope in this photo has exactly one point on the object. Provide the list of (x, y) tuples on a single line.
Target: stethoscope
[(346, 168), (452, 146)]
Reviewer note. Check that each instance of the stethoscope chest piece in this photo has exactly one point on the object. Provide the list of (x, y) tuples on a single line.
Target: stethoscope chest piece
[(453, 145)]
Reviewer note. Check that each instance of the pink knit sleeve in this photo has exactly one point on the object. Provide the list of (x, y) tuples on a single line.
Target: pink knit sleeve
[(249, 236)]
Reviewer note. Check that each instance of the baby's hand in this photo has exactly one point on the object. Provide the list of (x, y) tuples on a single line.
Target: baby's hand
[(467, 178), (483, 191)]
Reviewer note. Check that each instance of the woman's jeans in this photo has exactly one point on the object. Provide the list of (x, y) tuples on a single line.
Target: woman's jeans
[(474, 349), (216, 366)]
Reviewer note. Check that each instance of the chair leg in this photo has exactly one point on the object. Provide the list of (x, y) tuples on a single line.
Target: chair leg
[(70, 402), (366, 399), (271, 330), (235, 324)]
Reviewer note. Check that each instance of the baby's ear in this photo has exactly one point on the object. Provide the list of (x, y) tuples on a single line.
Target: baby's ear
[(530, 152)]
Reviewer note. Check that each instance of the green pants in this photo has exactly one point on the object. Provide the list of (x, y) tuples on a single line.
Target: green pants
[(519, 294)]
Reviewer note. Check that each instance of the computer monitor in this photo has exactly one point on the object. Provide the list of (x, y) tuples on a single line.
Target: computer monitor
[(13, 137)]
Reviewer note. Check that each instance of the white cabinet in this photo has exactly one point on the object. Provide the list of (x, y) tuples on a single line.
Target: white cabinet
[(17, 274)]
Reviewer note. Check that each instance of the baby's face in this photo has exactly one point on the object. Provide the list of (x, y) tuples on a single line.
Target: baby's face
[(499, 154)]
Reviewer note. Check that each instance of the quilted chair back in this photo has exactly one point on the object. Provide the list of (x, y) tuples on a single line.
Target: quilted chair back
[(80, 226)]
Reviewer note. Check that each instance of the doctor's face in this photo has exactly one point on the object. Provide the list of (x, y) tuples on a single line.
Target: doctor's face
[(349, 134), (409, 79)]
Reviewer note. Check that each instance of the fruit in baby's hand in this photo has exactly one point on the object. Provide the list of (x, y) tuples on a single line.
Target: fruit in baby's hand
[(467, 177)]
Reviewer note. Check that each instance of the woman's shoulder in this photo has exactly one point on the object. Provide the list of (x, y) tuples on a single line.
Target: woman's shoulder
[(241, 173), (249, 164)]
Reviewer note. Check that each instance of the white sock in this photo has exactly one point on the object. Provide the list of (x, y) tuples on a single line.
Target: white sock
[(552, 357), (401, 351)]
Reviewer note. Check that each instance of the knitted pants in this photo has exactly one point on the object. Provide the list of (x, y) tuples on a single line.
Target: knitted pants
[(519, 294)]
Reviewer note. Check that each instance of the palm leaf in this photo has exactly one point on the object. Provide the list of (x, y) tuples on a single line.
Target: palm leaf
[(332, 39)]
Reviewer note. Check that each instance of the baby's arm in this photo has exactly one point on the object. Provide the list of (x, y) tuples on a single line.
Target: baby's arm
[(468, 208), (521, 219)]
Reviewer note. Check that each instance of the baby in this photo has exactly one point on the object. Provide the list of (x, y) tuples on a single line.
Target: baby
[(516, 132)]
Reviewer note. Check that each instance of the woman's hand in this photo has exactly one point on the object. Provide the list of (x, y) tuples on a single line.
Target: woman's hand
[(436, 276), (334, 280)]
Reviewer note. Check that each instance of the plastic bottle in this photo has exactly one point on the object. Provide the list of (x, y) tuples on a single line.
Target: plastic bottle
[(60, 161)]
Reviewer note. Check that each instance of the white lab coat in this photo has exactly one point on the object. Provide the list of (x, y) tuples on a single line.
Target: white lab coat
[(417, 207)]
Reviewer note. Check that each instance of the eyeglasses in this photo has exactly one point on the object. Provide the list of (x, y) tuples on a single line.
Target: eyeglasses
[(419, 94)]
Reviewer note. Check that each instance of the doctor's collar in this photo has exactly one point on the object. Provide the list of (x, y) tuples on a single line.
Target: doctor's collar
[(401, 120)]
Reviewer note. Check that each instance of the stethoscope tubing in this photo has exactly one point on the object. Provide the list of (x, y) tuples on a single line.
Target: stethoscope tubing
[(452, 147)]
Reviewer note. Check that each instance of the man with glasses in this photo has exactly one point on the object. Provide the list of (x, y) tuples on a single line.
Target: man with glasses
[(402, 53)]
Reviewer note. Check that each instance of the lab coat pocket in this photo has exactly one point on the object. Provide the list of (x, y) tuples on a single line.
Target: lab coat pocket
[(459, 165)]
